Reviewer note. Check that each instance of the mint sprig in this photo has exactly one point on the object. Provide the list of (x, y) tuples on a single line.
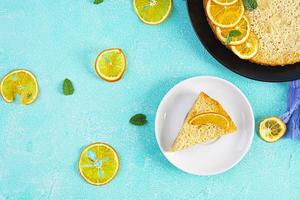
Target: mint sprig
[(138, 119), (250, 4), (98, 1), (68, 88), (231, 34)]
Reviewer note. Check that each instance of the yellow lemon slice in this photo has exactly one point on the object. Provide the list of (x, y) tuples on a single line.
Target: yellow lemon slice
[(19, 82), (272, 129), (225, 2), (225, 16), (111, 64), (210, 118), (152, 11), (248, 49), (98, 163), (243, 26)]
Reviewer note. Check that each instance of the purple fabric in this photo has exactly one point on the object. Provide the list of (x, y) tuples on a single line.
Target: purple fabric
[(292, 116)]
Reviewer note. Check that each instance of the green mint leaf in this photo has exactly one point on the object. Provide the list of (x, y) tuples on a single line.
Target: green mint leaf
[(98, 1), (138, 119), (233, 33), (68, 88), (228, 39), (250, 4)]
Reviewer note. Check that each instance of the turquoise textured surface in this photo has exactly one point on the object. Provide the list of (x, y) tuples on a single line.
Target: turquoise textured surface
[(40, 144)]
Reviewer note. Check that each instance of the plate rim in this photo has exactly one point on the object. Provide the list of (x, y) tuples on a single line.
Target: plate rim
[(249, 143), (259, 72)]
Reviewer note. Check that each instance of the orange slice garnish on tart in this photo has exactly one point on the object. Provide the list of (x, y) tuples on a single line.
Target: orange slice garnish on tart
[(243, 27), (248, 49), (225, 16)]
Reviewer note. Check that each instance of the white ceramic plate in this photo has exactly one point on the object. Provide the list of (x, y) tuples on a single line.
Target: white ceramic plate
[(213, 157)]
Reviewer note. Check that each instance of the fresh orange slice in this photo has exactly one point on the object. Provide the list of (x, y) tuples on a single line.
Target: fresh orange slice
[(98, 163), (19, 82), (272, 129), (243, 27), (111, 64), (248, 49), (153, 11), (210, 118), (225, 2), (225, 16)]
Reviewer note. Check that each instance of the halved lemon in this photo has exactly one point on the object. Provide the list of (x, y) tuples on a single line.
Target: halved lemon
[(225, 2), (243, 26), (98, 163), (111, 64), (153, 11), (225, 16), (248, 49), (210, 118), (19, 82), (272, 129)]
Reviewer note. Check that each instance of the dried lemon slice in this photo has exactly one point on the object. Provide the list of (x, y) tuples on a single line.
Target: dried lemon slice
[(248, 49), (210, 118), (111, 64), (272, 129), (152, 11), (243, 27), (98, 164), (225, 16), (19, 82)]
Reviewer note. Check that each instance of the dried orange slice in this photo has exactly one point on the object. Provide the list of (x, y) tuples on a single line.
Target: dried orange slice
[(225, 2), (248, 49), (225, 16), (111, 64), (210, 118), (98, 163), (152, 11), (272, 129), (243, 27), (19, 82)]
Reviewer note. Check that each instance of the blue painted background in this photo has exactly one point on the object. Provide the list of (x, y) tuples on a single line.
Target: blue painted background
[(40, 143)]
